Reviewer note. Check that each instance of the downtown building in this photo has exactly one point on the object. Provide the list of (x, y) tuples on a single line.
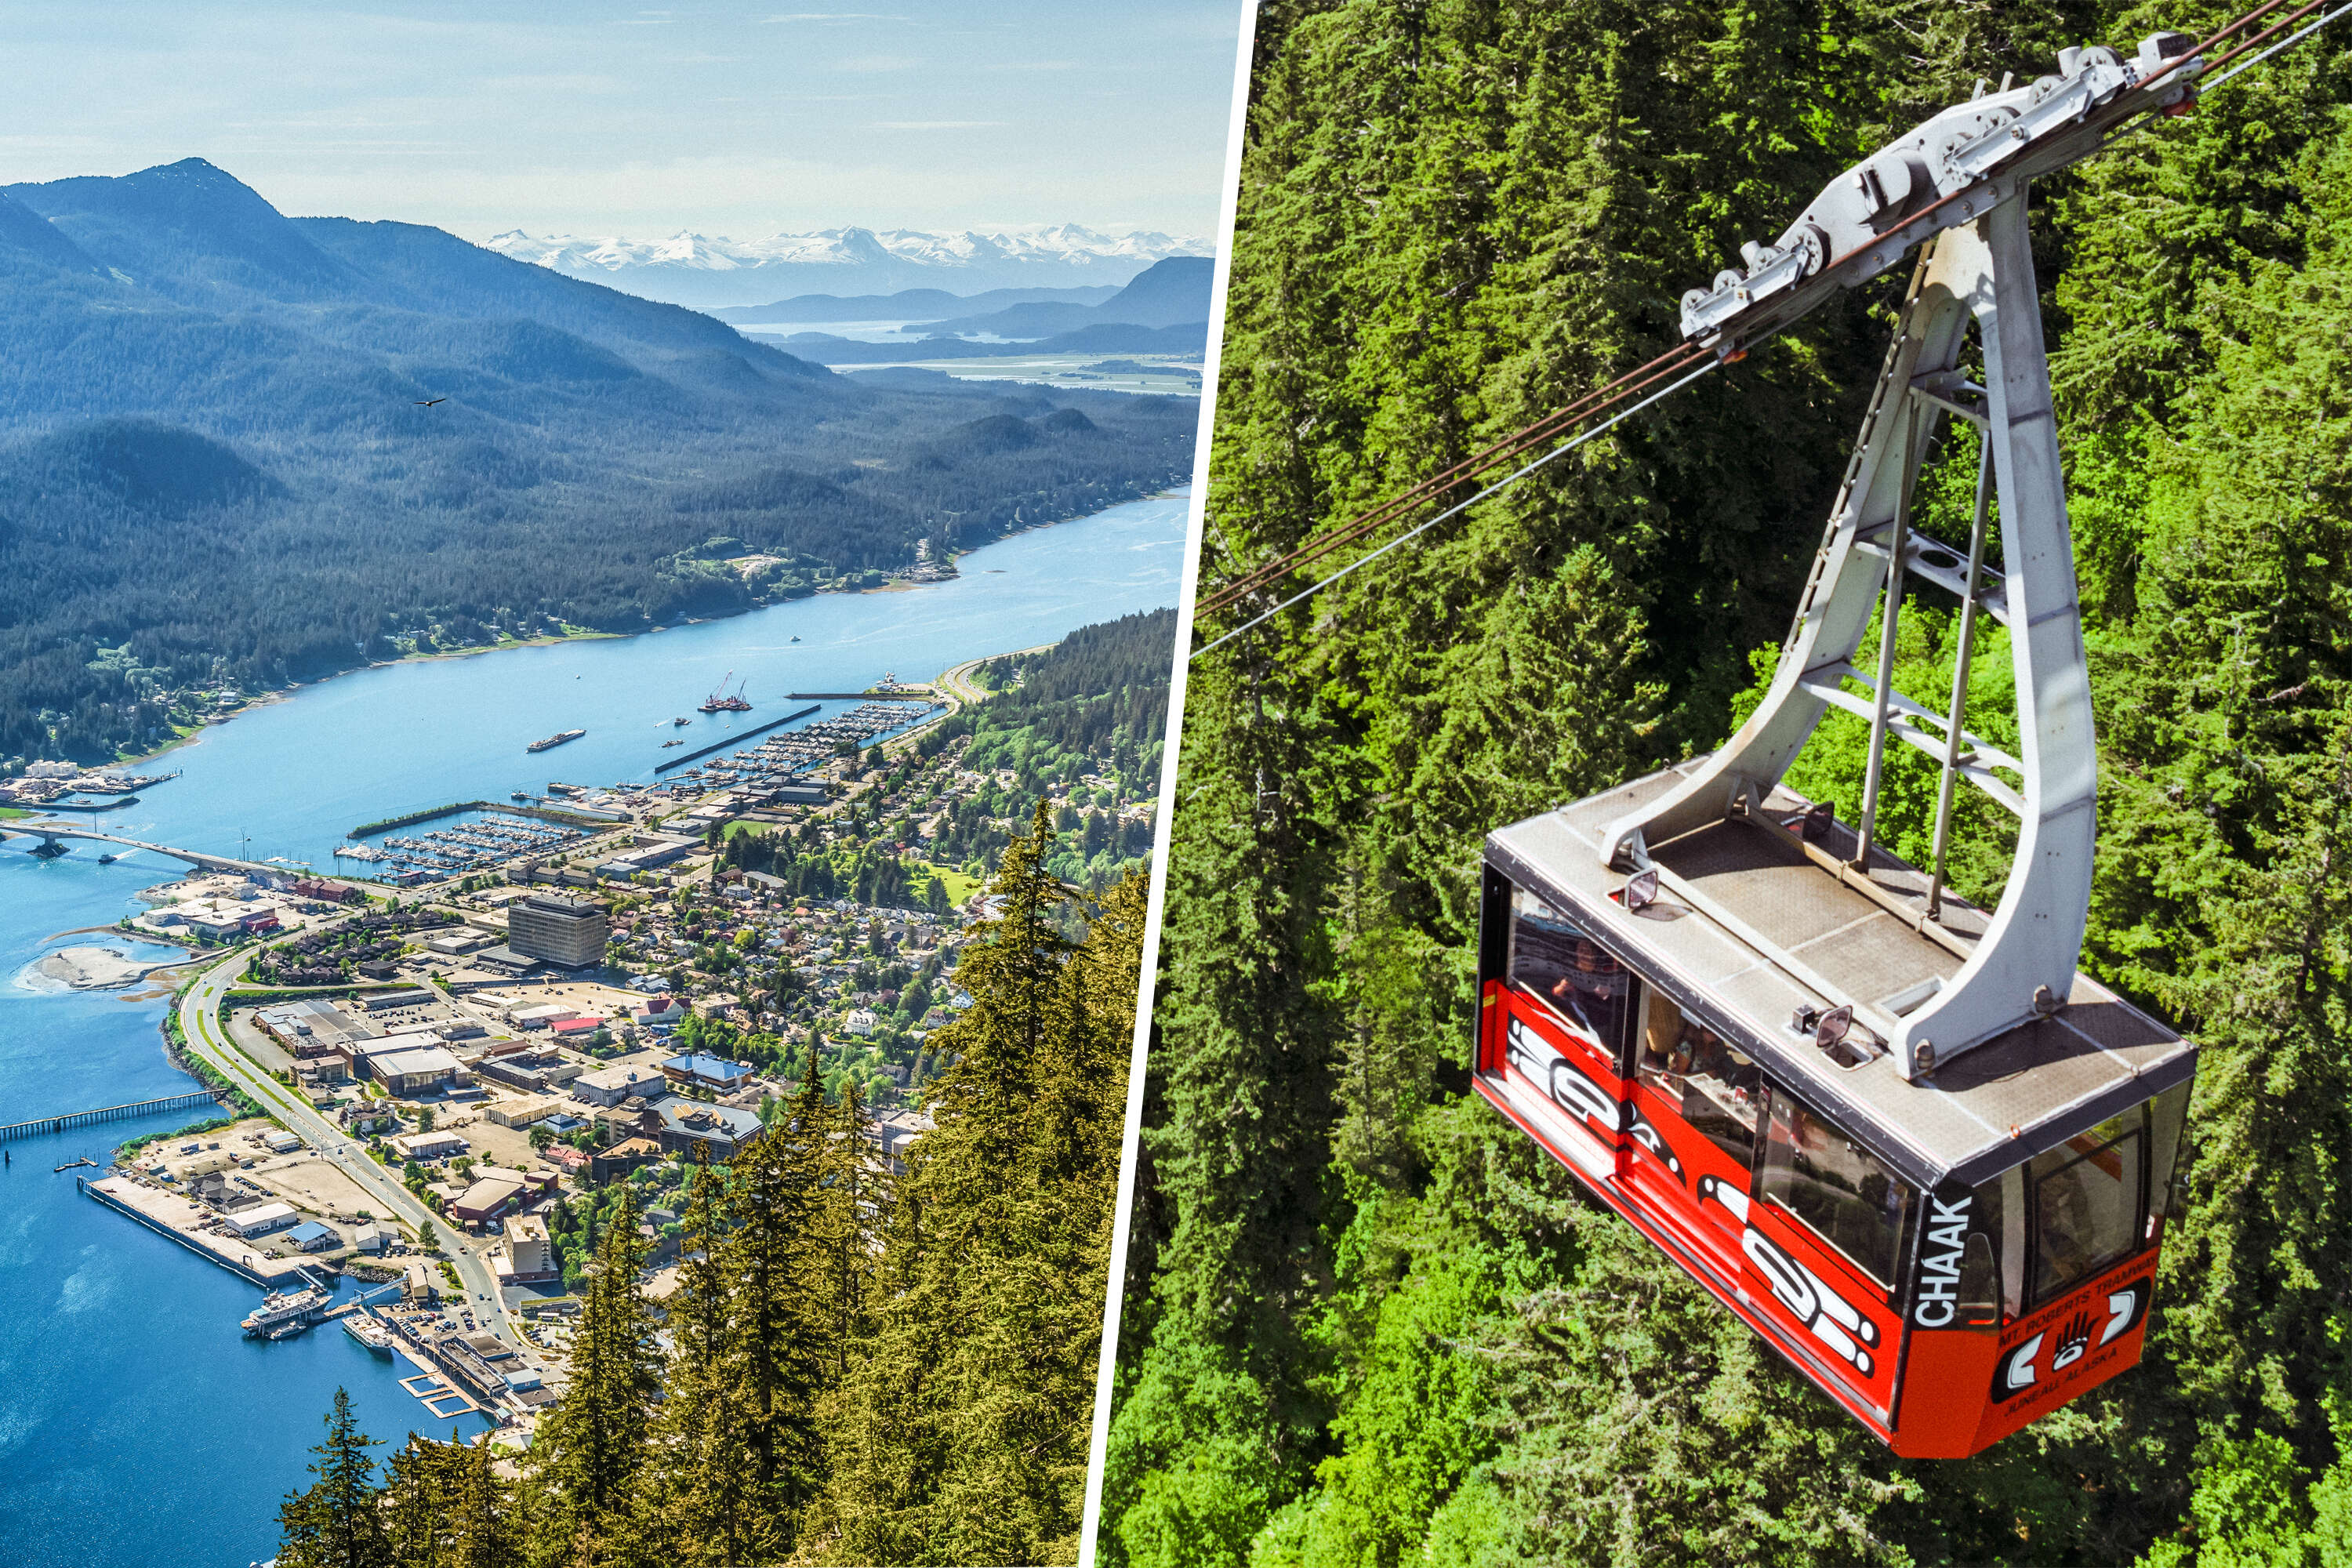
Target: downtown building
[(567, 932)]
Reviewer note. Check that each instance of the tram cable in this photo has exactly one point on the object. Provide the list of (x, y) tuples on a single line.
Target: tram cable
[(1710, 362), (1681, 358)]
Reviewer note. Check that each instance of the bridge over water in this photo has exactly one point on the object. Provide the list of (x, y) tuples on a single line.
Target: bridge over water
[(51, 832)]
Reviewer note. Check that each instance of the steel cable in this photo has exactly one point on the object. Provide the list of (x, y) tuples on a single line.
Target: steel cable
[(1633, 382)]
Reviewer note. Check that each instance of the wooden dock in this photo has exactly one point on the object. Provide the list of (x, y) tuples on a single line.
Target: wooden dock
[(73, 1118)]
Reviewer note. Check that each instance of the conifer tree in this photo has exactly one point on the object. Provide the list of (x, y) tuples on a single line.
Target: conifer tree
[(780, 1340), (592, 1442), (484, 1529), (961, 1435), (700, 1460), (419, 1495), (336, 1522)]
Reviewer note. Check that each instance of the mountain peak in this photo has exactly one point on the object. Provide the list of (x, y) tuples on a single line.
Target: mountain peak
[(189, 228), (708, 271)]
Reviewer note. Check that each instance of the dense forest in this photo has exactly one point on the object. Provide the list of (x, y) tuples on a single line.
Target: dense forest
[(238, 449), (863, 1369), (1367, 1322), (1095, 704)]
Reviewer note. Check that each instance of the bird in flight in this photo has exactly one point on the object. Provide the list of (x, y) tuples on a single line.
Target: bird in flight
[(429, 401)]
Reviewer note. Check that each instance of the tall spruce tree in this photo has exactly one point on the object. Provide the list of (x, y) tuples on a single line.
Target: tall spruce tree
[(336, 1521), (485, 1526), (961, 1434), (590, 1444), (415, 1507), (779, 1344), (701, 1459)]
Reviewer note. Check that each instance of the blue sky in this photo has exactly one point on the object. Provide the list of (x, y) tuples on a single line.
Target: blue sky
[(594, 119)]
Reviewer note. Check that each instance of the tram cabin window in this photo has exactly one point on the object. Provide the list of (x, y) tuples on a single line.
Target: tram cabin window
[(1553, 959), (1835, 1187), (2086, 1204), (1719, 1090)]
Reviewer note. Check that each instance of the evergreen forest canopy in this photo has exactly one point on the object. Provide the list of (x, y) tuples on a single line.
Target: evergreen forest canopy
[(218, 475), (1368, 1321), (865, 1368)]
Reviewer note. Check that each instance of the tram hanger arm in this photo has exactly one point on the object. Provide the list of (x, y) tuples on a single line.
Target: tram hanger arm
[(1951, 169)]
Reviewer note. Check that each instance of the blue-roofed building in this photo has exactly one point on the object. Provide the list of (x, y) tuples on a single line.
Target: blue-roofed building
[(313, 1236), (708, 1072)]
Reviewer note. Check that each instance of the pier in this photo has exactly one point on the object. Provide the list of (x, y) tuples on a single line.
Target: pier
[(582, 818), (110, 1113), (452, 1362), (91, 805), (739, 736), (158, 1211), (902, 694)]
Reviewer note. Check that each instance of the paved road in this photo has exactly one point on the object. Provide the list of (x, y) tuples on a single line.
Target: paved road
[(56, 828), (958, 683), (200, 1009)]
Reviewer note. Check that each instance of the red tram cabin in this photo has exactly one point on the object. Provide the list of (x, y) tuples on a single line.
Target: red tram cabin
[(1950, 1259)]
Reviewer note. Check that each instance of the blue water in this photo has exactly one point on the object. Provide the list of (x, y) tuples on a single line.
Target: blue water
[(137, 1425)]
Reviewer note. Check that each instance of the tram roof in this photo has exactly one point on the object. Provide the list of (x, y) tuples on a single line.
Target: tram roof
[(1748, 928)]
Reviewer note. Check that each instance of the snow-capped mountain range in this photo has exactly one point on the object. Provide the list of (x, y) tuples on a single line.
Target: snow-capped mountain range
[(708, 271)]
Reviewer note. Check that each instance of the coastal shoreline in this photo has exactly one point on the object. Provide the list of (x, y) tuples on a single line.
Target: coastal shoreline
[(897, 586)]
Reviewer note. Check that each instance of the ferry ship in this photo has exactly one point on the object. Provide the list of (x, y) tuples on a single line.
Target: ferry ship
[(282, 1309), (363, 1328), (555, 739)]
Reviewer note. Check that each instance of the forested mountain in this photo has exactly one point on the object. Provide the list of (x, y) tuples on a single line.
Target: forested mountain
[(861, 1368), (1096, 703), (1368, 1321), (1170, 293), (223, 466)]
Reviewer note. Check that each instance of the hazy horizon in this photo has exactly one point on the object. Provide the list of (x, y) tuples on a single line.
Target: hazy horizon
[(734, 121)]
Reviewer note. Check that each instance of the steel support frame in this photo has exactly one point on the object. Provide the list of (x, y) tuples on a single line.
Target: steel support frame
[(2024, 965)]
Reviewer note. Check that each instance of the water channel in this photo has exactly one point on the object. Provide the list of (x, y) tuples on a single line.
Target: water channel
[(137, 1425)]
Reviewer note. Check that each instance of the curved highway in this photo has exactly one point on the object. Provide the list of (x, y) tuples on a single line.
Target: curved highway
[(199, 1023)]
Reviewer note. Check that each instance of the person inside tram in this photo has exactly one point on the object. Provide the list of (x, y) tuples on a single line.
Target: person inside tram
[(1714, 1087), (1592, 991)]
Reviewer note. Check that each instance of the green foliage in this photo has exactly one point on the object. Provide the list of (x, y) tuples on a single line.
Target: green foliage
[(219, 480), (960, 1435), (867, 1367), (1366, 1321), (335, 1523), (590, 1443)]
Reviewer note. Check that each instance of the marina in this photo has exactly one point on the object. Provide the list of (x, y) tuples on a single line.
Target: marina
[(780, 758), (736, 739), (218, 1426), (490, 839)]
